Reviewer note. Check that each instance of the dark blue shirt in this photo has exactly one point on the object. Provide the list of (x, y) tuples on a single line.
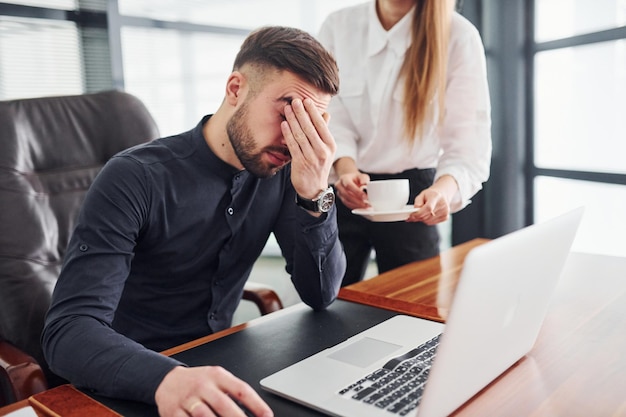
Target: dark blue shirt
[(166, 238)]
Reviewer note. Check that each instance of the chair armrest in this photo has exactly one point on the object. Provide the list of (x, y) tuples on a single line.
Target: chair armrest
[(20, 375), (263, 296)]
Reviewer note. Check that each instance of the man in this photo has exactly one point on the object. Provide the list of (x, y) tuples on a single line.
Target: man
[(170, 230)]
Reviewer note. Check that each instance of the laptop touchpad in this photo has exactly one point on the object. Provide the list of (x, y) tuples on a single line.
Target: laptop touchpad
[(364, 351)]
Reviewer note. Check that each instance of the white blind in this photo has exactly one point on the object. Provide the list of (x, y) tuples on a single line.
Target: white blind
[(51, 4), (39, 58)]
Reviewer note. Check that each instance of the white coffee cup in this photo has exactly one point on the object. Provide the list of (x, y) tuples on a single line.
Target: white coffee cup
[(388, 195)]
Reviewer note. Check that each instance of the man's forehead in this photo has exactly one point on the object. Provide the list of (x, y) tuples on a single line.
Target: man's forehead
[(321, 104), (290, 87)]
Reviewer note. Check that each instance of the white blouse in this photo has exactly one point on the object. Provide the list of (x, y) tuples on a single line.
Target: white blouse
[(366, 115)]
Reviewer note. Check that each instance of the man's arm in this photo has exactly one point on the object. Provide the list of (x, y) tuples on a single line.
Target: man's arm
[(79, 342), (314, 255), (318, 263)]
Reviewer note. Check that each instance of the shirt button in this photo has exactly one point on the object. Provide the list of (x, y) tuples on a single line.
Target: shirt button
[(83, 247), (230, 211), (212, 316)]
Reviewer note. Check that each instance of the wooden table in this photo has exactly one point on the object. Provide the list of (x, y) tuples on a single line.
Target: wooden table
[(578, 365), (424, 288)]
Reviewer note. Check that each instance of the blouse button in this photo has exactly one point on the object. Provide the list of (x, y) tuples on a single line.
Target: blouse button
[(230, 211)]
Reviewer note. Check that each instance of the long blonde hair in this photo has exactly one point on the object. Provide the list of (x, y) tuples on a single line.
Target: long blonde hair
[(425, 64)]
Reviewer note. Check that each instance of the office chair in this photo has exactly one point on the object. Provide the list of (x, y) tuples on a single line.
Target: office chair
[(50, 151)]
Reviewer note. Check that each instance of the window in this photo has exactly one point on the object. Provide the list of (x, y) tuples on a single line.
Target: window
[(558, 19), (190, 60), (39, 58), (579, 104), (180, 76), (241, 14), (580, 107)]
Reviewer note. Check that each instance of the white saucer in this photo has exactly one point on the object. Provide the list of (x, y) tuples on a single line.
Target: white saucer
[(386, 216)]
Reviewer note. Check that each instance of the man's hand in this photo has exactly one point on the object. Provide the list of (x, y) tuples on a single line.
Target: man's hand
[(311, 145), (207, 391)]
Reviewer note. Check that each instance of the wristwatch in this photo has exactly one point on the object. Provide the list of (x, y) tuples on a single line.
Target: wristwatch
[(320, 204)]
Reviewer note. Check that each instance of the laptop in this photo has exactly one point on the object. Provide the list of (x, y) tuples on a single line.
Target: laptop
[(498, 308)]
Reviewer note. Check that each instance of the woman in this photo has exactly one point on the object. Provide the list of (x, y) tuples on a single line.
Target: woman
[(413, 103)]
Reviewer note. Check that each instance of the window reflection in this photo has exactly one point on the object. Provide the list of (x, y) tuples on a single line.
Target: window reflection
[(603, 225)]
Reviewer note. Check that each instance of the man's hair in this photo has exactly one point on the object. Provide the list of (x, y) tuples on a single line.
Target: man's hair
[(293, 50)]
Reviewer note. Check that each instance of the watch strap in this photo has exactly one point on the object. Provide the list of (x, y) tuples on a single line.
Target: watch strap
[(320, 204)]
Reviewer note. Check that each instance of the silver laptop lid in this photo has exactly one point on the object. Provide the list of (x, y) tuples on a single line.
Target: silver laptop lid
[(499, 305)]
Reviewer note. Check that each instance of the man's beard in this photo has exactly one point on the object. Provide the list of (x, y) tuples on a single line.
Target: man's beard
[(244, 145)]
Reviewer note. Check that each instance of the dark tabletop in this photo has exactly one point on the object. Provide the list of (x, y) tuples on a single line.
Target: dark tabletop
[(262, 349)]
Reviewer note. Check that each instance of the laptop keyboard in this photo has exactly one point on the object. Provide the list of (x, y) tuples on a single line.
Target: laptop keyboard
[(398, 386)]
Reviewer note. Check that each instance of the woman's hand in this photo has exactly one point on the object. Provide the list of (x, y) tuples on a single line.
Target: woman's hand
[(433, 208), (350, 188), (434, 202)]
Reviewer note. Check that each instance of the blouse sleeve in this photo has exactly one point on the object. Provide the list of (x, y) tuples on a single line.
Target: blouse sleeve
[(466, 130)]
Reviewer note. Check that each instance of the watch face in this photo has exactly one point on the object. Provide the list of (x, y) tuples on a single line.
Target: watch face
[(326, 201)]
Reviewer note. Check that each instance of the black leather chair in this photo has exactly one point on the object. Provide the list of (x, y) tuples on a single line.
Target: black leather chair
[(51, 148)]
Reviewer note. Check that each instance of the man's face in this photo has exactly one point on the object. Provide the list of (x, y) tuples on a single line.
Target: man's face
[(254, 129)]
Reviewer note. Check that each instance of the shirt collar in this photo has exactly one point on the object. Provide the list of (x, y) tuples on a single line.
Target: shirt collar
[(215, 164), (398, 38)]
